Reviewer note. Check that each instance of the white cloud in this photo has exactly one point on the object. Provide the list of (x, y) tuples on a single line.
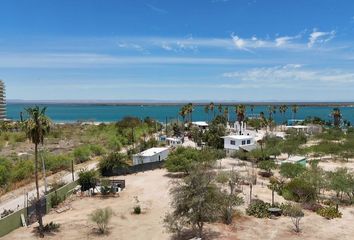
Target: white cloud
[(157, 9), (88, 60), (254, 42), (291, 75), (317, 37), (281, 41)]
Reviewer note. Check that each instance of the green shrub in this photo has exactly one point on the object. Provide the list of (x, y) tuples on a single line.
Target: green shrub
[(291, 170), (137, 210), (51, 227), (105, 187), (57, 162), (299, 190), (55, 200), (5, 171), (112, 162), (258, 209), (87, 179), (97, 150), (329, 212), (82, 154), (22, 170), (101, 217)]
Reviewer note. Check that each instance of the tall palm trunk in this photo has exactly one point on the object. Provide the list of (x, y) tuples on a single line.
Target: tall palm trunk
[(38, 202)]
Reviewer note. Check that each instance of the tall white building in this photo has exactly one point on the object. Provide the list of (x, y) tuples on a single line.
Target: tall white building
[(2, 101)]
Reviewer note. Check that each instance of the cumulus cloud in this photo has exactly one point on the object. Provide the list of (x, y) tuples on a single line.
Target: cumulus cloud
[(317, 37), (281, 41)]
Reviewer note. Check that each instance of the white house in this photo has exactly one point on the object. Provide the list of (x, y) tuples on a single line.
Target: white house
[(151, 155), (173, 142), (235, 142)]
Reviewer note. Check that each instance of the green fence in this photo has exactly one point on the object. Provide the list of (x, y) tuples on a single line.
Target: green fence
[(13, 221), (62, 193)]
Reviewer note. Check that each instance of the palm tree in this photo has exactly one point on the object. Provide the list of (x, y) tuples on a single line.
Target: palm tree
[(211, 107), (183, 113), (36, 127), (252, 108), (226, 113), (220, 109), (336, 114), (190, 110), (294, 109), (271, 110), (206, 110), (282, 109), (240, 112)]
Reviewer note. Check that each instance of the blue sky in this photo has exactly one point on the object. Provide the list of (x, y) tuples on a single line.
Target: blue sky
[(248, 50)]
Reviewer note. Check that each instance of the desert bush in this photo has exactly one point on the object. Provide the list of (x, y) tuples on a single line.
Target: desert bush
[(51, 227), (22, 170), (55, 200), (296, 214), (291, 170), (101, 217), (82, 154), (311, 206), (56, 162), (329, 212), (87, 179), (299, 190), (137, 210), (97, 150), (5, 171), (258, 209), (105, 187)]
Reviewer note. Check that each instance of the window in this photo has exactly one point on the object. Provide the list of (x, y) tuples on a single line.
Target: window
[(232, 142), (243, 142), (248, 141)]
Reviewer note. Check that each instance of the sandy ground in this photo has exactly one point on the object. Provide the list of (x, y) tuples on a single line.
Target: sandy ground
[(152, 190)]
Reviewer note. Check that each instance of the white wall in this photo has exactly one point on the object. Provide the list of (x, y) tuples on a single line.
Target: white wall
[(238, 143)]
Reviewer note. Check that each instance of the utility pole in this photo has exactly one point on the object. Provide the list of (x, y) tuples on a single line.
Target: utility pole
[(44, 173), (166, 126), (72, 170)]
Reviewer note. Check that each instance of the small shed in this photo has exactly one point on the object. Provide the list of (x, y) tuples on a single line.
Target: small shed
[(151, 155), (296, 159)]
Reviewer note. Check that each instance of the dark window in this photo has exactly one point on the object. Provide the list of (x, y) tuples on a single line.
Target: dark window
[(248, 141), (243, 142), (232, 142)]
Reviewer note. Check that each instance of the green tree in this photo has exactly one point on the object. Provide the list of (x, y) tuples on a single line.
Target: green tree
[(196, 199), (113, 162), (36, 128), (291, 170), (87, 179), (267, 165)]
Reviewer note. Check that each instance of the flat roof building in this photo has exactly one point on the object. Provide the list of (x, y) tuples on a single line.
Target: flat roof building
[(151, 155)]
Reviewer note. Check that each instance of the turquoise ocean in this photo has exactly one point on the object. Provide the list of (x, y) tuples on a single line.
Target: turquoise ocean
[(110, 113)]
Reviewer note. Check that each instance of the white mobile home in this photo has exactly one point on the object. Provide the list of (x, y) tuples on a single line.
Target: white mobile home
[(234, 142), (150, 155)]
